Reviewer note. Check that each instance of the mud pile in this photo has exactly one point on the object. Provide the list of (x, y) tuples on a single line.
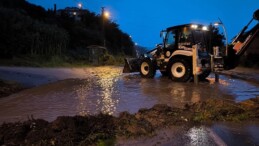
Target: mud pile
[(8, 88), (104, 129)]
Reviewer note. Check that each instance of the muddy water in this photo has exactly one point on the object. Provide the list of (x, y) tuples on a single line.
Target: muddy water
[(109, 91)]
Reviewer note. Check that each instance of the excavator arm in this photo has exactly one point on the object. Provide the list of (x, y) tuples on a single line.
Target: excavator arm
[(241, 43)]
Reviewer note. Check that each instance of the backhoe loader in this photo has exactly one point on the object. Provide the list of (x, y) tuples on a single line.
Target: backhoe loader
[(174, 57)]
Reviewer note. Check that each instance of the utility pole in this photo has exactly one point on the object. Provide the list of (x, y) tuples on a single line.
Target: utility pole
[(103, 21), (104, 15), (225, 33)]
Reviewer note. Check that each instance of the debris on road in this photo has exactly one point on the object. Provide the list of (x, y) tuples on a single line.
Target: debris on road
[(104, 129)]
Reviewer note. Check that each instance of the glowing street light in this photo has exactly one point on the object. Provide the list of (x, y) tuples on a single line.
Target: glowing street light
[(225, 33), (80, 5), (105, 15)]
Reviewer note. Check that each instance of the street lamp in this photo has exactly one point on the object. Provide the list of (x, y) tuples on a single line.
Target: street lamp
[(225, 33), (80, 5), (105, 15)]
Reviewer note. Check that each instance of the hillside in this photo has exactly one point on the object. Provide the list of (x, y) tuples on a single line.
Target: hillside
[(29, 32)]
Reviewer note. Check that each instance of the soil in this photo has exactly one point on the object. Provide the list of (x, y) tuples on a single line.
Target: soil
[(7, 88), (104, 129)]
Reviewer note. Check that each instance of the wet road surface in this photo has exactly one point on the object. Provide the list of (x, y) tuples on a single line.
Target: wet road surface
[(218, 134), (107, 90)]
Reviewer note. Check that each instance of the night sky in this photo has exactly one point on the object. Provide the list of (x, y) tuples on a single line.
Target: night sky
[(144, 19)]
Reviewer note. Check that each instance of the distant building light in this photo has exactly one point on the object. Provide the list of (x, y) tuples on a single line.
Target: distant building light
[(74, 13)]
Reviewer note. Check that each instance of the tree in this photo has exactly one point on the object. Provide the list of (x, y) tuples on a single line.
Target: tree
[(21, 35), (27, 29), (215, 38)]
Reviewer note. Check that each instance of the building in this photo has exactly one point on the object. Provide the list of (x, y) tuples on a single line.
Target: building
[(73, 12)]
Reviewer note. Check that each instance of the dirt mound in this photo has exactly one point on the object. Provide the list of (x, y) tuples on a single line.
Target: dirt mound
[(8, 88), (221, 110), (103, 129), (64, 130)]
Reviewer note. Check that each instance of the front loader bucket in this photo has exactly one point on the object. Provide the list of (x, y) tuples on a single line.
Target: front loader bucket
[(126, 68), (131, 65)]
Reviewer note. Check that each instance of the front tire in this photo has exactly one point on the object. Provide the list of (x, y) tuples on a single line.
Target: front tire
[(180, 70), (147, 68)]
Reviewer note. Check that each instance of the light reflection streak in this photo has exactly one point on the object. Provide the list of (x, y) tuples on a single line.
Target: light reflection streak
[(107, 79), (221, 81), (198, 136), (183, 94), (94, 94), (83, 103)]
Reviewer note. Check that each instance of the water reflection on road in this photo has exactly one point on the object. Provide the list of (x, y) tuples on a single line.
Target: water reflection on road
[(95, 94), (107, 83), (107, 90)]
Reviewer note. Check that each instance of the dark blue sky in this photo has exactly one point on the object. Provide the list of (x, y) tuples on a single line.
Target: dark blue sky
[(144, 19)]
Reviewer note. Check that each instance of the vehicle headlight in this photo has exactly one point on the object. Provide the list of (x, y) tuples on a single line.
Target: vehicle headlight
[(205, 28)]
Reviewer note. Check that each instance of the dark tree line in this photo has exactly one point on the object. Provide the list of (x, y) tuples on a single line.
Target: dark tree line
[(22, 35), (27, 29)]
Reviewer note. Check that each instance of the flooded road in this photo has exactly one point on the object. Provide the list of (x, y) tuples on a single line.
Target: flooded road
[(70, 92), (107, 90)]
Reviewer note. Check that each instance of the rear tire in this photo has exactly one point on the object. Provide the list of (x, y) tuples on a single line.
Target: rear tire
[(147, 68), (179, 70)]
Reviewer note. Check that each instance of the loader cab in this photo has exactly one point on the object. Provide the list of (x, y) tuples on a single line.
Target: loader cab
[(183, 37)]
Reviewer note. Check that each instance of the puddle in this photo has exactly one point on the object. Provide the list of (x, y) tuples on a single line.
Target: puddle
[(237, 88), (110, 91)]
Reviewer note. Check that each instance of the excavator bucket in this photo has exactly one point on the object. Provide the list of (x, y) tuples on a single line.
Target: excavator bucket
[(131, 65), (256, 15)]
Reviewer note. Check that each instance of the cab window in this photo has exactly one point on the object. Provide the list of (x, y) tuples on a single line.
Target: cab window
[(185, 38), (170, 39)]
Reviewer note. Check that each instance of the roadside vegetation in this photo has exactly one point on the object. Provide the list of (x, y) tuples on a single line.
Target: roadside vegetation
[(58, 61)]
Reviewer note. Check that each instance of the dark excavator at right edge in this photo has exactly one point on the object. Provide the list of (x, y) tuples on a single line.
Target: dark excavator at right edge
[(174, 57), (241, 43)]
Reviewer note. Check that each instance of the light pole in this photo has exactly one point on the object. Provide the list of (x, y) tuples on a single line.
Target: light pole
[(105, 15), (80, 5), (225, 33)]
